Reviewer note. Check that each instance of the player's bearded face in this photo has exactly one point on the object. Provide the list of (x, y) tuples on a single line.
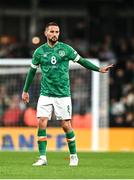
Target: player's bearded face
[(53, 39), (52, 33)]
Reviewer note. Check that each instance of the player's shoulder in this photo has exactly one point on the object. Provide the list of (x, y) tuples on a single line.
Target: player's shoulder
[(39, 50), (65, 45)]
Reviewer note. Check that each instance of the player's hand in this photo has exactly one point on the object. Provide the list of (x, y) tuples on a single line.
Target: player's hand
[(106, 68), (25, 97)]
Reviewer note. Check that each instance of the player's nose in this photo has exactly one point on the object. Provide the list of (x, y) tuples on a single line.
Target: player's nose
[(55, 33)]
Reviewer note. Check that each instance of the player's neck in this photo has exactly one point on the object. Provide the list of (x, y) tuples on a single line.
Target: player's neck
[(51, 44)]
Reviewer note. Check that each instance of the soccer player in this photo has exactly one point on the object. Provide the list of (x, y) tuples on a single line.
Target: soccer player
[(53, 58)]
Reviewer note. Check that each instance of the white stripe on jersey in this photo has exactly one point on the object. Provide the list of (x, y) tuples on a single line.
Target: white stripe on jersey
[(77, 58), (34, 66)]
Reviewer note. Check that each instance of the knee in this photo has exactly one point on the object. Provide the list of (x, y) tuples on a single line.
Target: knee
[(42, 122), (66, 126)]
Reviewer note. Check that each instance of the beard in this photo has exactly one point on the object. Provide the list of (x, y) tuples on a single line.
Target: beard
[(53, 40)]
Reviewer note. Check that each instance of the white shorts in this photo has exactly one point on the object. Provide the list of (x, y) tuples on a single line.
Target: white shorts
[(62, 107)]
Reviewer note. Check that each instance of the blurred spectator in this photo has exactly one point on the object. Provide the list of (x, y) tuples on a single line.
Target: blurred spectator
[(129, 101), (30, 117), (13, 114), (11, 48), (117, 108), (117, 121), (5, 46), (116, 84), (106, 54), (82, 119), (82, 46), (122, 50), (129, 71), (131, 46), (93, 51), (4, 101), (79, 30), (129, 119)]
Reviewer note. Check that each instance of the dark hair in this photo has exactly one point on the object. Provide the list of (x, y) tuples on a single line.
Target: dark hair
[(51, 24)]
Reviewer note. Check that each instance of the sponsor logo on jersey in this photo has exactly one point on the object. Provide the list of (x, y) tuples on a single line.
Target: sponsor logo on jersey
[(61, 53), (46, 54)]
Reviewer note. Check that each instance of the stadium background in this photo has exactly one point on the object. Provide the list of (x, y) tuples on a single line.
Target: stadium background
[(100, 29)]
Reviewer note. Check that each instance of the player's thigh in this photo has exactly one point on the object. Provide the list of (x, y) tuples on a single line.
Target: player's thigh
[(44, 107), (63, 108)]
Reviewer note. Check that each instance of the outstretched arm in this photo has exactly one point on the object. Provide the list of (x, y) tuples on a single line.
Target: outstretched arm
[(87, 64), (28, 82)]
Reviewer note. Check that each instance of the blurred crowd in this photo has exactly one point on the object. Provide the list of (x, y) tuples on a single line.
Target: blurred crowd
[(119, 51)]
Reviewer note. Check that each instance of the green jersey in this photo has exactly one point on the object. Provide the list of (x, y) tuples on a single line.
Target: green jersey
[(54, 64)]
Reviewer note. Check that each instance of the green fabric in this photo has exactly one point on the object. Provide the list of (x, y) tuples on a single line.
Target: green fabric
[(42, 147), (71, 144), (42, 132), (70, 135), (42, 144), (54, 64), (29, 79), (87, 64)]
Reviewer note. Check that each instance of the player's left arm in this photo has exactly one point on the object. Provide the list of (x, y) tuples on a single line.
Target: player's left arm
[(87, 64), (75, 57)]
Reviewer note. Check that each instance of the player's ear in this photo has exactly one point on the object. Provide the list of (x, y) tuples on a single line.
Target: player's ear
[(45, 33)]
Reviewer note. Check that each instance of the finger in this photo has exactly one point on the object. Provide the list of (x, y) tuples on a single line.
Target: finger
[(27, 100), (111, 65)]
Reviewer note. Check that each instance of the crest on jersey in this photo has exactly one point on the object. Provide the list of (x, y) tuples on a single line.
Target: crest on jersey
[(61, 53)]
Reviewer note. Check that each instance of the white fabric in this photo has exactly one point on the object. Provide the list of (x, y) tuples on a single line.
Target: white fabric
[(77, 58), (72, 139), (34, 66), (62, 107)]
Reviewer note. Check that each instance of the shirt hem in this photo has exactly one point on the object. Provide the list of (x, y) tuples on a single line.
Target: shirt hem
[(52, 95)]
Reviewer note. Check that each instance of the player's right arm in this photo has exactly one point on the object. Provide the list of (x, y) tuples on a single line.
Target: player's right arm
[(28, 82), (30, 76)]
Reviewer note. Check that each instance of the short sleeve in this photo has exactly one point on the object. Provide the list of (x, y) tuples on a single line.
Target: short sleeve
[(35, 59), (73, 55)]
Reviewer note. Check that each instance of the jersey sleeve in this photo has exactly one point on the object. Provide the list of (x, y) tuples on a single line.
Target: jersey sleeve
[(35, 60), (73, 55)]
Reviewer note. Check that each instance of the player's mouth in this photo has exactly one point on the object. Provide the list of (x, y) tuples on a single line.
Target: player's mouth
[(54, 38)]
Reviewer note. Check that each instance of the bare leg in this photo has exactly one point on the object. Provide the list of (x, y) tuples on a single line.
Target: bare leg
[(67, 127)]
